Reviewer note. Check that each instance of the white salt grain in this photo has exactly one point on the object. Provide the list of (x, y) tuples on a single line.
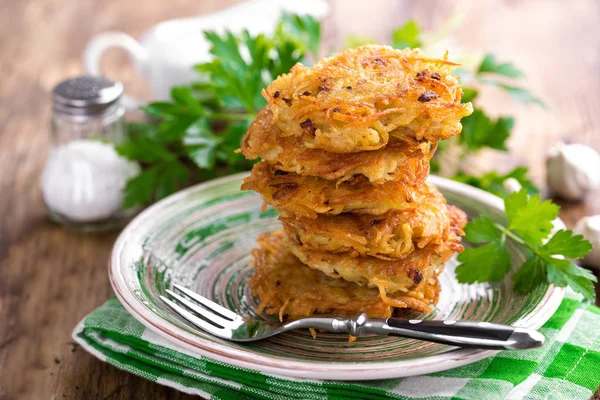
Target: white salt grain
[(84, 180)]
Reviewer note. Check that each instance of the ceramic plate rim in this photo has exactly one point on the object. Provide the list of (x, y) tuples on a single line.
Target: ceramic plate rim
[(310, 369)]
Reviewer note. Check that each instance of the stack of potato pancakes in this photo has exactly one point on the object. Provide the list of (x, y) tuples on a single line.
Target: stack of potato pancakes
[(345, 148)]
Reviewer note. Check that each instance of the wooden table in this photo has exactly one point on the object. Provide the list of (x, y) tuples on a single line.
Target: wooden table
[(51, 277)]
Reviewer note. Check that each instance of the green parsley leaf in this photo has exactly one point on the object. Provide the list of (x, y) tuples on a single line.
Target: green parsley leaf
[(171, 176), (565, 244), (482, 230), (493, 182), (187, 103), (522, 95), (408, 35), (564, 273), (161, 109), (200, 144), (182, 95), (485, 263), (173, 129), (469, 94), (139, 190), (529, 222), (529, 217), (434, 165), (160, 180), (238, 82), (204, 156), (205, 92), (520, 174), (519, 94), (489, 65), (303, 30), (138, 129), (480, 131), (202, 125), (488, 263), (144, 149), (226, 152), (287, 56), (531, 274)]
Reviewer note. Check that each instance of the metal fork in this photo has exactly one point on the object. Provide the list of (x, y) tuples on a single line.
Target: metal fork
[(219, 321)]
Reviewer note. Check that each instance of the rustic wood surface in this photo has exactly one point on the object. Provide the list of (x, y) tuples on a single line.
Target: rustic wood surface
[(51, 277)]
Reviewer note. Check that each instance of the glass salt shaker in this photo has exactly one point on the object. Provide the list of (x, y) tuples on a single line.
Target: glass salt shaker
[(84, 177)]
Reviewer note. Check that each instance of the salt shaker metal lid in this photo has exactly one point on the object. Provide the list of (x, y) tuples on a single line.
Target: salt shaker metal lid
[(85, 95)]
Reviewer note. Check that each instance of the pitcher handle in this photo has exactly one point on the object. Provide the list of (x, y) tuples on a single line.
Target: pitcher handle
[(99, 44)]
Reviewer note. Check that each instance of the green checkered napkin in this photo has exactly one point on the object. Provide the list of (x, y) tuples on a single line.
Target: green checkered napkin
[(566, 367)]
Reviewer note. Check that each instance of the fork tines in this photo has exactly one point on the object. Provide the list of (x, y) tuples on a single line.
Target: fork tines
[(215, 318)]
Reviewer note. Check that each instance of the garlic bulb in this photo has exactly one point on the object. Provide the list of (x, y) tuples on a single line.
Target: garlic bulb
[(589, 227), (572, 170)]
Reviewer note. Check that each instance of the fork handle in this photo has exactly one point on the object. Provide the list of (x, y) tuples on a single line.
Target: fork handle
[(482, 335)]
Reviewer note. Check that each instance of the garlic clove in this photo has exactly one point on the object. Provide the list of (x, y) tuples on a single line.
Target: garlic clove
[(572, 170), (589, 227), (511, 185)]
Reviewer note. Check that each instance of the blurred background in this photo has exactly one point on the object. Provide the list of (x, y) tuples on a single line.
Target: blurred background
[(555, 44)]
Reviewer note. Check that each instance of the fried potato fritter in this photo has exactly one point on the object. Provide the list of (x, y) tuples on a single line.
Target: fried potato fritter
[(345, 148), (389, 236), (405, 159), (355, 101), (291, 290), (389, 276), (308, 196)]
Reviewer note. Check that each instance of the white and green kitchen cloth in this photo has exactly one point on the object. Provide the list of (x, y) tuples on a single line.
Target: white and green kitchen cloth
[(566, 367)]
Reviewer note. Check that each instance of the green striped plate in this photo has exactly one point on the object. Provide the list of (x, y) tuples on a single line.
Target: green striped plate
[(202, 238)]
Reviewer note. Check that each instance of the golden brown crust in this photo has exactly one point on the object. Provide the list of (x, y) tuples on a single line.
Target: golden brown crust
[(392, 235), (291, 290), (389, 276), (358, 99), (308, 196), (405, 160), (345, 148)]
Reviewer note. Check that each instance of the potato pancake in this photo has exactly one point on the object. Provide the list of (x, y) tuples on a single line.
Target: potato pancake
[(392, 235), (291, 290), (389, 276), (359, 99), (345, 147), (309, 196), (404, 159)]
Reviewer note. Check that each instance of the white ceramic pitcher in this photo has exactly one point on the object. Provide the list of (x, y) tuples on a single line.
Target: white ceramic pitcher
[(166, 53)]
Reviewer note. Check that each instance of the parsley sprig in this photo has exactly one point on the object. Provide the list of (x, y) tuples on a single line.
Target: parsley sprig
[(202, 124), (530, 220), (480, 130), (493, 181), (548, 259), (199, 129)]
